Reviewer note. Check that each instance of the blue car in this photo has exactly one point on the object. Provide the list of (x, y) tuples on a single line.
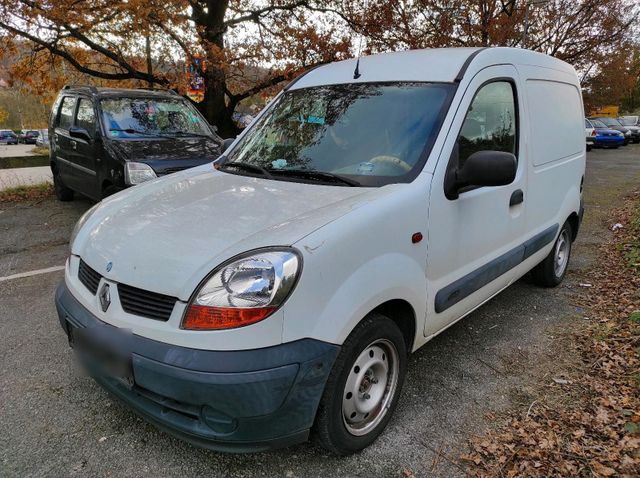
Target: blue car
[(605, 137)]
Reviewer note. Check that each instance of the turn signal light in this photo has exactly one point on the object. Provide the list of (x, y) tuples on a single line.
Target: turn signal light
[(201, 317)]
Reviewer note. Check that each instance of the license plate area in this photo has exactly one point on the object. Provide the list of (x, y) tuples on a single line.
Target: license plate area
[(104, 350)]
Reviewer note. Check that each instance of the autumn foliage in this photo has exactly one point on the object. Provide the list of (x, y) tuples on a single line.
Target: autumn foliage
[(253, 46), (587, 423)]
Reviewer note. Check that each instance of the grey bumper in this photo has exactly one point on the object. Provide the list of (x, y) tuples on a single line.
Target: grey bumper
[(247, 400)]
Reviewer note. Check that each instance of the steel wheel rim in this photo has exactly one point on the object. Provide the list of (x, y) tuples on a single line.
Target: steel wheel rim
[(561, 253), (370, 387)]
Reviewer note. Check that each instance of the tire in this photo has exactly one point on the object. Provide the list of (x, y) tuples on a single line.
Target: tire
[(374, 344), (551, 271), (63, 193)]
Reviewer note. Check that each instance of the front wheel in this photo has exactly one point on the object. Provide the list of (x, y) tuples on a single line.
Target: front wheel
[(363, 388), (551, 271)]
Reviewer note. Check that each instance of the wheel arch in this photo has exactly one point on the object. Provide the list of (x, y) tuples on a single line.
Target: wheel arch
[(401, 312)]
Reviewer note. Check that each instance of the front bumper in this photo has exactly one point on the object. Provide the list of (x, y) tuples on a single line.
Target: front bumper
[(248, 400)]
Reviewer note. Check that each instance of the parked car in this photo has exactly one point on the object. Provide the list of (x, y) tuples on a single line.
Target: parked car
[(590, 133), (42, 140), (605, 137), (629, 120), (8, 137), (280, 292), (105, 139), (614, 124), (28, 136)]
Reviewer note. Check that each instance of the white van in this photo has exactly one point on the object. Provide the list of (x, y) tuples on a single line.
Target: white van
[(277, 294)]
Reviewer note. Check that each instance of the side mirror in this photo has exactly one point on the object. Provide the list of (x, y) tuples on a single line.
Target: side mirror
[(226, 143), (484, 168), (79, 133)]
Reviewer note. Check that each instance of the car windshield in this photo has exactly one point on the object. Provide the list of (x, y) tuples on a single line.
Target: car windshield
[(610, 122), (151, 117), (627, 121), (369, 134), (598, 124)]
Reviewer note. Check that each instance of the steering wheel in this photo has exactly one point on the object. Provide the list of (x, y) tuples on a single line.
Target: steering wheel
[(392, 161)]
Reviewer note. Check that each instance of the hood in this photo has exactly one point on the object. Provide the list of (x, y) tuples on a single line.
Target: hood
[(166, 235), (164, 149), (607, 131)]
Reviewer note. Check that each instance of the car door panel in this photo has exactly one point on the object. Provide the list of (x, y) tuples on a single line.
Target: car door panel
[(476, 240), (83, 150), (62, 145)]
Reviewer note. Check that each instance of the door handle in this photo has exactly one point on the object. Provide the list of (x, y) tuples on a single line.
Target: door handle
[(73, 145), (517, 197)]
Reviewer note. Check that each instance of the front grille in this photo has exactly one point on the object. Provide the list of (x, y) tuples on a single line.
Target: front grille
[(89, 278), (144, 303)]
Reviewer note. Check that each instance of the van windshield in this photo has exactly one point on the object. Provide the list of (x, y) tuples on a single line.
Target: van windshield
[(150, 117), (370, 134)]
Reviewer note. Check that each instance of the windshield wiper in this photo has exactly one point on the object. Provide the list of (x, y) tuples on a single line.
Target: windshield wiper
[(319, 175), (247, 167), (188, 133), (137, 131)]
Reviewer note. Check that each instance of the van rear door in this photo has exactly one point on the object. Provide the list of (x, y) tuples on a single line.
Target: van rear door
[(474, 241)]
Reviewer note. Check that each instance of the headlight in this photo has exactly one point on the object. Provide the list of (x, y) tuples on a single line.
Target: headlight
[(628, 133), (80, 223), (136, 173), (244, 291)]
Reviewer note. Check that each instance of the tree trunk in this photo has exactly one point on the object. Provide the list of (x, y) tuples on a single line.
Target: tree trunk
[(214, 107)]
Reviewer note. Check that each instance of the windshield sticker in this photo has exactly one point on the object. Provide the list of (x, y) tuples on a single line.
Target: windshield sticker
[(366, 168), (310, 119), (279, 164)]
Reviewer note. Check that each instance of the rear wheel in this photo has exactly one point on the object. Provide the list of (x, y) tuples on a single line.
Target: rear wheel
[(363, 388), (63, 193), (551, 271)]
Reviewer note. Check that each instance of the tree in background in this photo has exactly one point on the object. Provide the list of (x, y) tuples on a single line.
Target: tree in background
[(4, 114), (578, 31), (616, 81), (252, 46), (248, 46)]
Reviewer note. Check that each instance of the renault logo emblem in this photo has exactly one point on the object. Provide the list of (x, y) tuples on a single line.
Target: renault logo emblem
[(109, 266), (105, 297)]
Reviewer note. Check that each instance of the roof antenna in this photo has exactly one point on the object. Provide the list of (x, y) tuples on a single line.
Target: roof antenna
[(356, 72)]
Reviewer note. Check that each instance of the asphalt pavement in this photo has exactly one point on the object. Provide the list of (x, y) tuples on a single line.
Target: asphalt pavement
[(55, 421)]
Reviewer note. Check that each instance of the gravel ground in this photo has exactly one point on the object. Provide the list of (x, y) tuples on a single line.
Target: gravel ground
[(54, 421)]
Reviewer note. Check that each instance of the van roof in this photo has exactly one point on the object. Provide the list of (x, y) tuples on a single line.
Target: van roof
[(433, 65)]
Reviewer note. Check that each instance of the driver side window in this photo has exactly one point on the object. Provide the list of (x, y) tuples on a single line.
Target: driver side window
[(491, 122)]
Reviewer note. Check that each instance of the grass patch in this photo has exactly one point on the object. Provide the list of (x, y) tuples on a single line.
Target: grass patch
[(41, 150), (24, 162), (27, 193)]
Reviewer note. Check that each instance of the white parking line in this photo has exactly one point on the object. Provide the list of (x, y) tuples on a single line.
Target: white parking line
[(32, 273)]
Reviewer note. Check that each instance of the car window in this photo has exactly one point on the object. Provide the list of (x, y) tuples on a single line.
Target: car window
[(147, 117), (610, 122), (490, 124), (598, 124), (65, 118), (86, 118), (373, 133)]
